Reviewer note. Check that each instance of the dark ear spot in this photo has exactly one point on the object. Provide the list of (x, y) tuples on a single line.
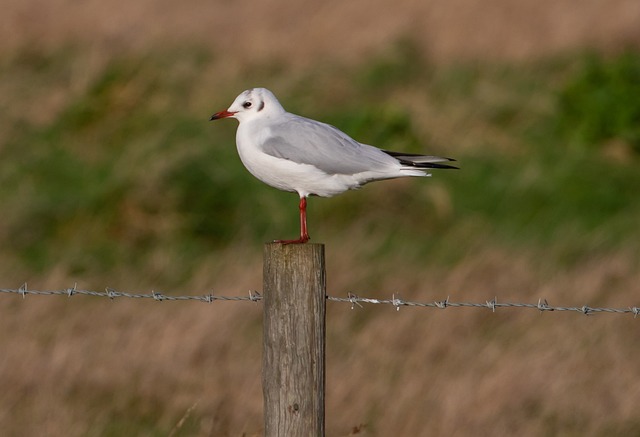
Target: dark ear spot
[(261, 106)]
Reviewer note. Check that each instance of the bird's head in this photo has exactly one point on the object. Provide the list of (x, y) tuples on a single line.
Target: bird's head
[(251, 104)]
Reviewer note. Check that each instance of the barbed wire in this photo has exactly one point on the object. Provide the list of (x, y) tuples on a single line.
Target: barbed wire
[(254, 296), (111, 293), (493, 304)]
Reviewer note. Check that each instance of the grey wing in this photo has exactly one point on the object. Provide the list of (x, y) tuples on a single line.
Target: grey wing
[(307, 141)]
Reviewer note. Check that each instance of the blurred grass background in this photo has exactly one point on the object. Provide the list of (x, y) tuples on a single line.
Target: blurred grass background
[(111, 175)]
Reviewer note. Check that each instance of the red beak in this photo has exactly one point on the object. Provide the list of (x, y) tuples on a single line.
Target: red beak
[(221, 114)]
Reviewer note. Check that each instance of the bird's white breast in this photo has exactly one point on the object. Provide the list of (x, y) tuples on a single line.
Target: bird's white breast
[(284, 174)]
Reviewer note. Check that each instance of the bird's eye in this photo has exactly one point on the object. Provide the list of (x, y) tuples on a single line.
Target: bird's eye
[(246, 105)]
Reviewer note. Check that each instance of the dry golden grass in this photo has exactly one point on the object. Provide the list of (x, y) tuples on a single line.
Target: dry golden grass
[(77, 366), (306, 33)]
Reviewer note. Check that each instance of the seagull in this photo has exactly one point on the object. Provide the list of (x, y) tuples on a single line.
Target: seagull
[(311, 158)]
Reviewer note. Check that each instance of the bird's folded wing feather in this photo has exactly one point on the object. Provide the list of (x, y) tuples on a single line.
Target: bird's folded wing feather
[(311, 142)]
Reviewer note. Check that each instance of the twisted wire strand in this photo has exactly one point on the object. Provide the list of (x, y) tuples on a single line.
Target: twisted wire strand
[(354, 300)]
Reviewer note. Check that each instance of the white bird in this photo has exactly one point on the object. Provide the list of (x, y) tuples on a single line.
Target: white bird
[(297, 154)]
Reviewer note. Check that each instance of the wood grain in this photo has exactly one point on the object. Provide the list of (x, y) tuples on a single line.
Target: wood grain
[(294, 340)]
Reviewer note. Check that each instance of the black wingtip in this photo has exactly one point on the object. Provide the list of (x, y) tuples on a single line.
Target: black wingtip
[(435, 165), (406, 159)]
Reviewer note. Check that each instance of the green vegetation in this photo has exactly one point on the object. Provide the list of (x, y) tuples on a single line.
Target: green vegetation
[(129, 164), (601, 103)]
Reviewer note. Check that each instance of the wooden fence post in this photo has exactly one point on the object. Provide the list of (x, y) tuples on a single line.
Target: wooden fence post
[(293, 361)]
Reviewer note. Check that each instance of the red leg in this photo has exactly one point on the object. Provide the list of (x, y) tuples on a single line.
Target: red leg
[(304, 235)]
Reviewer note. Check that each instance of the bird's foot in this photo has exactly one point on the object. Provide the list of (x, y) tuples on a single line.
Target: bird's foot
[(303, 239)]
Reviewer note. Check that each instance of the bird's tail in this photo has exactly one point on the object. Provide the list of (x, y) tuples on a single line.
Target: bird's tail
[(421, 161)]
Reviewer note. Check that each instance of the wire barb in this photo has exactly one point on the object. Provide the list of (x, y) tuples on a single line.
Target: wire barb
[(543, 305), (71, 291), (23, 290), (491, 304), (208, 298), (111, 293), (442, 304), (396, 302), (354, 300)]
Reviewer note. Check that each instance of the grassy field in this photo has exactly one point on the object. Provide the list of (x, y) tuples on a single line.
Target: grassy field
[(111, 175)]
